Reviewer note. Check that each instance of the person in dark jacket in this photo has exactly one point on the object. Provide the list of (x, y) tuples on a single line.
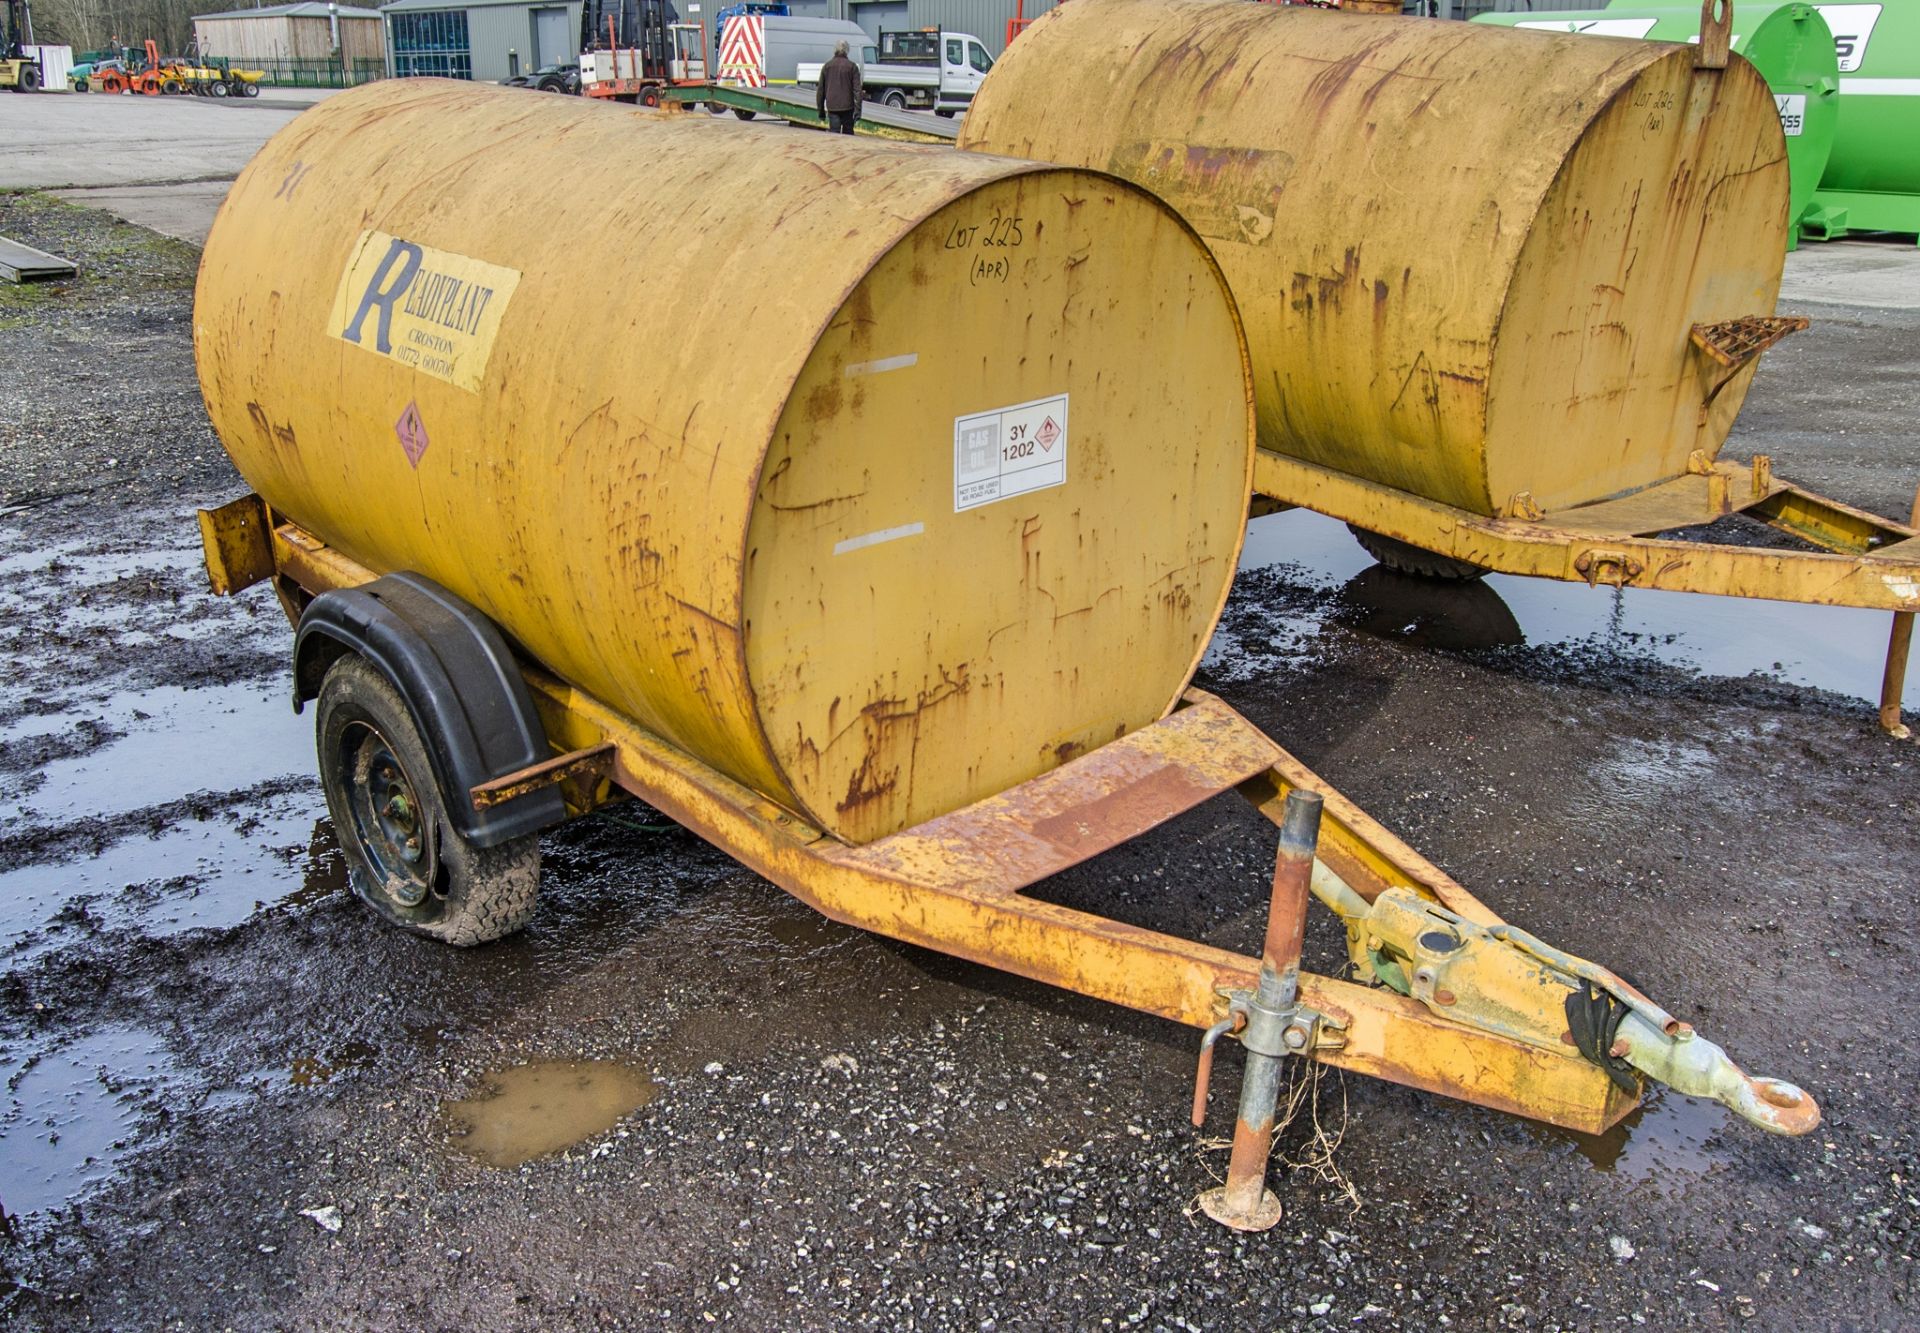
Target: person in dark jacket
[(838, 94)]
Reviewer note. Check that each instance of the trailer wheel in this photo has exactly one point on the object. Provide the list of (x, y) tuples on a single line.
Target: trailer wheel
[(1410, 559), (404, 859), (743, 113), (895, 99)]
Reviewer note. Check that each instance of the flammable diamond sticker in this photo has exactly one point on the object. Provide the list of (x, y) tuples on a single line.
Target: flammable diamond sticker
[(412, 432), (1048, 433)]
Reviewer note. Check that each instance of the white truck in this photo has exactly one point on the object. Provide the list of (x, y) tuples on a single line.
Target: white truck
[(928, 69)]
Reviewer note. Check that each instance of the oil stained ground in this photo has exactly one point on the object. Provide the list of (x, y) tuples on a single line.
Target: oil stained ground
[(1668, 1137), (534, 1110)]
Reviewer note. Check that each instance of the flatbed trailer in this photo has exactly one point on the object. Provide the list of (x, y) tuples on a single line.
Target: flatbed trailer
[(799, 107), (1446, 997)]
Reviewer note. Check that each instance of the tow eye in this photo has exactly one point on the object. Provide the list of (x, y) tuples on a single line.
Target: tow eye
[(1502, 979), (1496, 979)]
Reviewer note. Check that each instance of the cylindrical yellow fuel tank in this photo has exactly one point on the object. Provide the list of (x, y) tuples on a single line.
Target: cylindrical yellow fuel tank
[(1469, 262), (881, 478)]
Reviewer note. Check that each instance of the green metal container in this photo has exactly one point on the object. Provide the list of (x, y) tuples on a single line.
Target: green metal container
[(1873, 179), (1788, 43)]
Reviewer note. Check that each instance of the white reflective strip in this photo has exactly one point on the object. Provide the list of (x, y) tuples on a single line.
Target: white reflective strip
[(1881, 87), (875, 538), (885, 363)]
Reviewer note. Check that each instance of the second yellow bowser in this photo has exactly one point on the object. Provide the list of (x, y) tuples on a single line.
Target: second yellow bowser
[(1469, 262)]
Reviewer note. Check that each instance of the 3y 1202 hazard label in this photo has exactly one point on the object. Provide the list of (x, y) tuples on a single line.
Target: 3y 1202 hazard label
[(1009, 451)]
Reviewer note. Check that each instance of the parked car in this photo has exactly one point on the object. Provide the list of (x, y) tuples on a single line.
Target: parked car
[(548, 79)]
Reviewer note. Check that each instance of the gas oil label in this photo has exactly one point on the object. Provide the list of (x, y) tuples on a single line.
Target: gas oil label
[(1009, 451), (433, 310)]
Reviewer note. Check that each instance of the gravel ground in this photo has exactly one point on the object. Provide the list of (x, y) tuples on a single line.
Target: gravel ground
[(204, 1038)]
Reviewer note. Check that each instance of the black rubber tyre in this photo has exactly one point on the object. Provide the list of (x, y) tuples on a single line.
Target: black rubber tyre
[(895, 99), (1409, 559), (743, 113), (403, 858), (249, 90), (218, 89), (29, 79)]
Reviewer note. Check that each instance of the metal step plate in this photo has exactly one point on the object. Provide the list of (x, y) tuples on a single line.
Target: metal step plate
[(1077, 811)]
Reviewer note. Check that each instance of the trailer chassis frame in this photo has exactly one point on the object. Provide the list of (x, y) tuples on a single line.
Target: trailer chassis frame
[(957, 884), (1862, 560)]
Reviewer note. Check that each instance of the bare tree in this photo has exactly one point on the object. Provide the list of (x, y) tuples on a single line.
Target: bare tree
[(91, 25)]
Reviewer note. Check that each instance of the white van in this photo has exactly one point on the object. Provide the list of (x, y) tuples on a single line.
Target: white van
[(782, 44)]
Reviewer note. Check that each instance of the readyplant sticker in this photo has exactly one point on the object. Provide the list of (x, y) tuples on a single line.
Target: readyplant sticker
[(433, 310)]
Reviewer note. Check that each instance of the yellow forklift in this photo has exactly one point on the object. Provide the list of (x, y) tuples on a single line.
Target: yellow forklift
[(19, 71)]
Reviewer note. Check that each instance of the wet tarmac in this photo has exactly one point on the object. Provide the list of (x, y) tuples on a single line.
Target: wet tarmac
[(156, 748), (1837, 649), (233, 1098)]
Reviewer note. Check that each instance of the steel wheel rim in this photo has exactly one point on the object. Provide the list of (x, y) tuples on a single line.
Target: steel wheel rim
[(389, 823)]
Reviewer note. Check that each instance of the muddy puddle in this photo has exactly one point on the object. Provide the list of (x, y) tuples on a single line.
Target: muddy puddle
[(75, 565), (535, 1110), (1829, 648), (255, 831), (76, 602), (71, 1113), (197, 874), (169, 743)]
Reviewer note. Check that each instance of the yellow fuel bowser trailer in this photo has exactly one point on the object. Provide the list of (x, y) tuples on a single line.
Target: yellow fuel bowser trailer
[(1504, 290), (880, 556)]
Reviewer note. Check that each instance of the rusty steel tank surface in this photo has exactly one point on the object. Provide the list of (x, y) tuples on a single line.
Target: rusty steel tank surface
[(1469, 260), (880, 478)]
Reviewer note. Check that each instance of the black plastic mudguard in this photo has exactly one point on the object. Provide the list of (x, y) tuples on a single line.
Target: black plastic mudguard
[(453, 667)]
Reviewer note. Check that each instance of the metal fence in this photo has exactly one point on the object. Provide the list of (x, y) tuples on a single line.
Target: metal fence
[(319, 73)]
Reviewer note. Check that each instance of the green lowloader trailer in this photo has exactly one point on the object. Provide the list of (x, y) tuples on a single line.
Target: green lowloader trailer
[(1871, 178)]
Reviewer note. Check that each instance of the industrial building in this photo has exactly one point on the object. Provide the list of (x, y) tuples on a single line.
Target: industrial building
[(311, 31), (486, 40)]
